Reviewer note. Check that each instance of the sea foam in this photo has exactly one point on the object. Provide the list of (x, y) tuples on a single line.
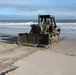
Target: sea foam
[(65, 27)]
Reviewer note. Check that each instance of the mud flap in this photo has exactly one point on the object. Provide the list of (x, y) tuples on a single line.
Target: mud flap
[(33, 39)]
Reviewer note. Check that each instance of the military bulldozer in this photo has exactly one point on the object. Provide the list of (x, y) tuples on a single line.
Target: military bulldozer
[(44, 33)]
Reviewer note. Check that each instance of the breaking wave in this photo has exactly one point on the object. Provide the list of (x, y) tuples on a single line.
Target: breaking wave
[(16, 25), (65, 27)]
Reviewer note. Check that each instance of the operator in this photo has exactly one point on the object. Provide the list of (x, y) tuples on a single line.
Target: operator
[(48, 22)]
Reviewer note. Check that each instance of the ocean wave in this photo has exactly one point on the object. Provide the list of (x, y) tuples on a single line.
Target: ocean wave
[(24, 23), (27, 25), (65, 27), (16, 25)]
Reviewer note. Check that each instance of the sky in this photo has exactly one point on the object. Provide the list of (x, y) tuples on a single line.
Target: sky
[(29, 9)]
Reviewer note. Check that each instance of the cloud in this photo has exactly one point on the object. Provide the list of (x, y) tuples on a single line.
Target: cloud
[(23, 7), (28, 8)]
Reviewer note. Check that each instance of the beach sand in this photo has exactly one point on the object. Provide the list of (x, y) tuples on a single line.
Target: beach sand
[(59, 59)]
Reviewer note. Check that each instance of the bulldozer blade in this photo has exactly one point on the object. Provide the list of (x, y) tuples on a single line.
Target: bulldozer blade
[(33, 39)]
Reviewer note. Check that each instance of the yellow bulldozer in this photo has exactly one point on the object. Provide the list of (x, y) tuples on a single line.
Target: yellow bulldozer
[(44, 33)]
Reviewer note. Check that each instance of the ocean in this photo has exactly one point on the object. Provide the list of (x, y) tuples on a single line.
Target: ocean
[(68, 27)]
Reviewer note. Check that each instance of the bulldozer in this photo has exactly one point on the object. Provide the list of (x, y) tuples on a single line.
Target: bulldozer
[(43, 34)]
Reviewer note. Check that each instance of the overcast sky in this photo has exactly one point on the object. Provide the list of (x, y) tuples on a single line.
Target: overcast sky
[(29, 9)]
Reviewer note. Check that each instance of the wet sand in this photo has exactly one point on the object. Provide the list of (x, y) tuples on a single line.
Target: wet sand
[(59, 59)]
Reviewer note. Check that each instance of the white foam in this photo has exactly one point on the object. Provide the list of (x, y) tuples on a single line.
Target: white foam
[(16, 25), (65, 27)]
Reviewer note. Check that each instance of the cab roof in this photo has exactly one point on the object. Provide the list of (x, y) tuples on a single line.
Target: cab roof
[(46, 16)]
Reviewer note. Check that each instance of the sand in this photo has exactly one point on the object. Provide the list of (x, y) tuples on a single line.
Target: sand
[(46, 63), (59, 59)]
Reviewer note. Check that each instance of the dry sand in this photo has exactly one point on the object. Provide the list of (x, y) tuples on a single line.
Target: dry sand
[(59, 59)]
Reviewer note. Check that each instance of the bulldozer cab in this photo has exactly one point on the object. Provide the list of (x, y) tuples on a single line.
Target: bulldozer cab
[(48, 23), (46, 20)]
